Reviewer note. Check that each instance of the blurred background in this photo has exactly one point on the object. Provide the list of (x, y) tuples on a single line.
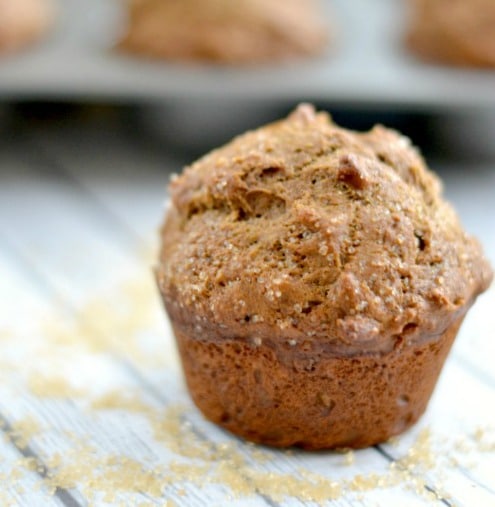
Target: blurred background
[(91, 130), (73, 73), (73, 95)]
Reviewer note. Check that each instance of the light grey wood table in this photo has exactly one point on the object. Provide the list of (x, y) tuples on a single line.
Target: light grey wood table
[(92, 402)]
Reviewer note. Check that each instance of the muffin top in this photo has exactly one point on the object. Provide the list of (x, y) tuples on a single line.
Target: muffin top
[(22, 21), (241, 31), (302, 232), (456, 32)]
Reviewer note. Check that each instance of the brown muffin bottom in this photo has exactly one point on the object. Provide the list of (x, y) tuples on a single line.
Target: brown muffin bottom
[(337, 402)]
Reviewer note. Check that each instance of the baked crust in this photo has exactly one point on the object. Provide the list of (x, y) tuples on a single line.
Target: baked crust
[(284, 397)]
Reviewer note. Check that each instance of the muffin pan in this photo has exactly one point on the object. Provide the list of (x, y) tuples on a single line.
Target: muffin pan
[(365, 64)]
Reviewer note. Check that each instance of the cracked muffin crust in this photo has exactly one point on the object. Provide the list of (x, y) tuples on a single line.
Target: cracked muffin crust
[(244, 31), (23, 22), (315, 280), (456, 32)]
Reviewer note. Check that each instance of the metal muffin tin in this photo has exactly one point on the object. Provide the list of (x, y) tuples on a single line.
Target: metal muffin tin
[(366, 64)]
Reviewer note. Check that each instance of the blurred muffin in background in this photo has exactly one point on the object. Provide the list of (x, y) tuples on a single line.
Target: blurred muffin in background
[(23, 22), (234, 32), (459, 32)]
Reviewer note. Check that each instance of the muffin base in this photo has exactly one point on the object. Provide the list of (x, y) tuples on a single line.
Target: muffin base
[(336, 402)]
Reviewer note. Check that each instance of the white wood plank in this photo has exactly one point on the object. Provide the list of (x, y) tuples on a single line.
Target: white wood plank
[(459, 407), (20, 484), (472, 192), (62, 421), (121, 170)]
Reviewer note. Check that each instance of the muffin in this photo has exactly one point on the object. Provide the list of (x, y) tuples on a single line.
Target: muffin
[(244, 31), (315, 280), (459, 33), (23, 22)]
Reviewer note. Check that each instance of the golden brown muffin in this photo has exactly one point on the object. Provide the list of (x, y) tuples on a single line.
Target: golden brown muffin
[(22, 22), (315, 280), (244, 31), (459, 32)]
